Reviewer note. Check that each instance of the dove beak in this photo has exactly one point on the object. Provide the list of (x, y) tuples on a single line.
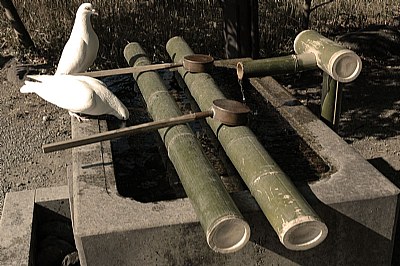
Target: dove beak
[(94, 12)]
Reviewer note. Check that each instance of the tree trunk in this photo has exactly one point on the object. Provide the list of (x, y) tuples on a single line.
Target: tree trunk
[(241, 28), (306, 14), (16, 22)]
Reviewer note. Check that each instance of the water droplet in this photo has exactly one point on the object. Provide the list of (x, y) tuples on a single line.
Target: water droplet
[(242, 90)]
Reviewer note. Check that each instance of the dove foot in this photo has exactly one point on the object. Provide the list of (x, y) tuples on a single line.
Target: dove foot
[(80, 118)]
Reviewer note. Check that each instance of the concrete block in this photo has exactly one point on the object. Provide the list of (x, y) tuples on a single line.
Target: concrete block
[(356, 196), (55, 199), (16, 228), (358, 204), (17, 224)]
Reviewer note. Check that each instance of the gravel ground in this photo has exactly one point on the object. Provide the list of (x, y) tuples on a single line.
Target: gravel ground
[(28, 122)]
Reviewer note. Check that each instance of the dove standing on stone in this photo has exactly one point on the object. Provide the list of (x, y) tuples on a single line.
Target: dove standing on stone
[(78, 94), (80, 51)]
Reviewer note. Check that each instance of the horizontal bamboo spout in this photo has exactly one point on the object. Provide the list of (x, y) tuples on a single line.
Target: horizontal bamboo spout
[(276, 65)]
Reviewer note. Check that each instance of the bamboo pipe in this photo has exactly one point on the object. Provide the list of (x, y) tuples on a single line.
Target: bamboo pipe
[(276, 65), (341, 64), (295, 222), (225, 229)]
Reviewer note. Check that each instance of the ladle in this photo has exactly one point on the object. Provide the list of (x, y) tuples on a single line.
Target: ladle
[(194, 63), (228, 112)]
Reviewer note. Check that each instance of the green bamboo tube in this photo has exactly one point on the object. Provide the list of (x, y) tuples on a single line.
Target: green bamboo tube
[(295, 222), (341, 64), (276, 66), (331, 100), (226, 230)]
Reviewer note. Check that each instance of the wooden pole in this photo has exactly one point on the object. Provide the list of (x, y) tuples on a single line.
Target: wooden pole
[(293, 219), (224, 226), (16, 22), (117, 133), (128, 70)]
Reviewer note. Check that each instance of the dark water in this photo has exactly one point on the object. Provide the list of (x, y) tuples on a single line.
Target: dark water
[(142, 169)]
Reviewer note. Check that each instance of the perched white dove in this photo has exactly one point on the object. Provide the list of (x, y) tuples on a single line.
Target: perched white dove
[(80, 51), (77, 94)]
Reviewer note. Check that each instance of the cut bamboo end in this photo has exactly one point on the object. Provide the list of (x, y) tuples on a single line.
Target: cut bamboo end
[(303, 233), (240, 70), (345, 66), (229, 234)]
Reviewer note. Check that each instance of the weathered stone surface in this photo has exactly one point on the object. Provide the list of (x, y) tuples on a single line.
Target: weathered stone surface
[(17, 236), (16, 228), (357, 203)]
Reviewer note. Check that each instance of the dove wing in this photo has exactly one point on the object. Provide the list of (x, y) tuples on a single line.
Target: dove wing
[(73, 57), (64, 91)]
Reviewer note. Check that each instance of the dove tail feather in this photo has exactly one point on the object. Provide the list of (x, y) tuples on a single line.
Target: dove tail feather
[(29, 87), (35, 77)]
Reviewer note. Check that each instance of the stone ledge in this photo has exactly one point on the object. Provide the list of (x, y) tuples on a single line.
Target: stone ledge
[(16, 224)]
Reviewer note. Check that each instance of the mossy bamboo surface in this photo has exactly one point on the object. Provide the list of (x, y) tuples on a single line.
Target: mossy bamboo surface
[(225, 229), (293, 219)]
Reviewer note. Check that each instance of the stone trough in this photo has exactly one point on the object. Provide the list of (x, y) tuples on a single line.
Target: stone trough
[(357, 203)]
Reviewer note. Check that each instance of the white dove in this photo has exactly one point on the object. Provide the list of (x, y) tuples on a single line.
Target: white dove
[(80, 51), (77, 94)]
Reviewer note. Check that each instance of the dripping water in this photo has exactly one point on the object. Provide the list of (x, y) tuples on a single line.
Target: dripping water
[(240, 81), (242, 91)]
